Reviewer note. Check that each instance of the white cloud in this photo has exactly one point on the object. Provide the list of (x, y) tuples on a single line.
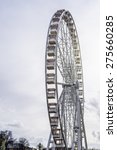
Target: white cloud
[(15, 124)]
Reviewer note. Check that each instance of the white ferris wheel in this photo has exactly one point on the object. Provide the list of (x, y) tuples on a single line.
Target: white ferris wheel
[(64, 84)]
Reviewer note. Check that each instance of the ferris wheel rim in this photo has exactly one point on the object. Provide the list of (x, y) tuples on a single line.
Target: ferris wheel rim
[(56, 86)]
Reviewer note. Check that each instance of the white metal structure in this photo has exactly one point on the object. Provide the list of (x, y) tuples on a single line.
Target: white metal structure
[(64, 84)]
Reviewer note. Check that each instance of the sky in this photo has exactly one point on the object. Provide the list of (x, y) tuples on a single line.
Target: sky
[(23, 33)]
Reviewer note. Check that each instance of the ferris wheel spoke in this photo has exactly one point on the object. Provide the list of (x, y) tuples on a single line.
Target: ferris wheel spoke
[(62, 66), (66, 116), (64, 31), (61, 63), (68, 47), (66, 104), (60, 99)]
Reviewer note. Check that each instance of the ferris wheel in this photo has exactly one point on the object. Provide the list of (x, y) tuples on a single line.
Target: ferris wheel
[(64, 84)]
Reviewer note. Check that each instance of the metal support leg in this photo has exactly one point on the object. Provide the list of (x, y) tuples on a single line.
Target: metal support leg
[(50, 143)]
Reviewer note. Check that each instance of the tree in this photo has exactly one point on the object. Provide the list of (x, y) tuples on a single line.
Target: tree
[(40, 146), (5, 137), (23, 142), (10, 143)]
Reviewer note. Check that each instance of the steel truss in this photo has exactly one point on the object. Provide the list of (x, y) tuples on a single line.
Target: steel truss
[(64, 84)]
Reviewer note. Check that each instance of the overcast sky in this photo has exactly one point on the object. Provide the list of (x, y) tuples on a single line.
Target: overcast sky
[(23, 31)]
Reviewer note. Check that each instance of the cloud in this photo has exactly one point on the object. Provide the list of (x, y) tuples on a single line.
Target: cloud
[(96, 134), (15, 124), (93, 106), (94, 103)]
